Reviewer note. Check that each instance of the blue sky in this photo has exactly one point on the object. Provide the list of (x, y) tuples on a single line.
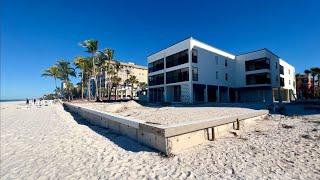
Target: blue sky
[(35, 34)]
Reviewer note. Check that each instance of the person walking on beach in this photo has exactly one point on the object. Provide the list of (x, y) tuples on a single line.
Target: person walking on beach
[(34, 101), (27, 101)]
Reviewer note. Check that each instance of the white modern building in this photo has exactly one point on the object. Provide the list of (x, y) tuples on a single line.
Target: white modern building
[(191, 71)]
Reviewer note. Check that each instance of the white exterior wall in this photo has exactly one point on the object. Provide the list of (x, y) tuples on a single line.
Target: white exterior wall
[(288, 77), (241, 69), (207, 68), (185, 86)]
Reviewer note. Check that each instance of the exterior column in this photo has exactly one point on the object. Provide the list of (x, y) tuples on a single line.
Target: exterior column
[(218, 94), (279, 95), (228, 94), (190, 75), (165, 91), (206, 94)]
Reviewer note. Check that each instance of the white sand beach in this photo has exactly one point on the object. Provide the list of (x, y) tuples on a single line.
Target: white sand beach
[(48, 142), (167, 115)]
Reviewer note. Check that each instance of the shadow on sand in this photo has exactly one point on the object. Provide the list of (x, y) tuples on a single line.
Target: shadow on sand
[(120, 140)]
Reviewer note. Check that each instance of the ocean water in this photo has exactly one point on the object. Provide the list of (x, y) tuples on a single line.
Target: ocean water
[(11, 100)]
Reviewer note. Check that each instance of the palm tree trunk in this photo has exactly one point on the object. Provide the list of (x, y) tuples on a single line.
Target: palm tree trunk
[(89, 89), (95, 76), (131, 91), (55, 83), (82, 84), (100, 84), (313, 87), (115, 93)]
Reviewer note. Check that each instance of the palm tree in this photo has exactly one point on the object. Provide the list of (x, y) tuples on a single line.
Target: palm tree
[(65, 71), (315, 71), (92, 48), (142, 85), (115, 83), (307, 72), (117, 68), (101, 65), (132, 81), (80, 63), (313, 74), (109, 53), (52, 72)]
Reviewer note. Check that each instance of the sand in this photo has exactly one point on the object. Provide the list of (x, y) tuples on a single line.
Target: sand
[(47, 142), (168, 115)]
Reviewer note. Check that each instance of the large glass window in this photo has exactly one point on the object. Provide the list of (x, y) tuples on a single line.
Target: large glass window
[(156, 65), (261, 78), (281, 70), (194, 55), (256, 64), (156, 80), (177, 59), (156, 94), (177, 76), (194, 74), (281, 81)]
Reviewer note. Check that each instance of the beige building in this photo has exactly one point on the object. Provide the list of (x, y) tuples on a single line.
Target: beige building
[(127, 70)]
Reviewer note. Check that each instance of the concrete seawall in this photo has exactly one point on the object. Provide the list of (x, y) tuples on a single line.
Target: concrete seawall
[(167, 139)]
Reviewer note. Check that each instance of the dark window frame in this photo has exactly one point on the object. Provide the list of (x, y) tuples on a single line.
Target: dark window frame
[(156, 65), (257, 64), (179, 75), (157, 79), (195, 74), (194, 55), (259, 78), (176, 59)]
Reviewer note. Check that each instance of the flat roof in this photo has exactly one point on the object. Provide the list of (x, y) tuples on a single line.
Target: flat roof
[(191, 38), (257, 51)]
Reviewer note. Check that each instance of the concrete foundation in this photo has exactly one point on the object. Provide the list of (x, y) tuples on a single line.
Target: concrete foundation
[(167, 139)]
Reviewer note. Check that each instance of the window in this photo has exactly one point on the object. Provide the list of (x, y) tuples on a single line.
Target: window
[(256, 64), (195, 74), (289, 82), (289, 71), (216, 60), (156, 94), (217, 75), (281, 69), (226, 77), (156, 80), (156, 65), (225, 62), (177, 76), (194, 55), (260, 78), (281, 81), (177, 59)]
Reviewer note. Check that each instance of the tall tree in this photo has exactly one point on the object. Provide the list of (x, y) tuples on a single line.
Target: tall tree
[(142, 85), (65, 71), (315, 71), (80, 63), (101, 64), (52, 72), (92, 47), (117, 68), (132, 81), (109, 53), (115, 83)]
